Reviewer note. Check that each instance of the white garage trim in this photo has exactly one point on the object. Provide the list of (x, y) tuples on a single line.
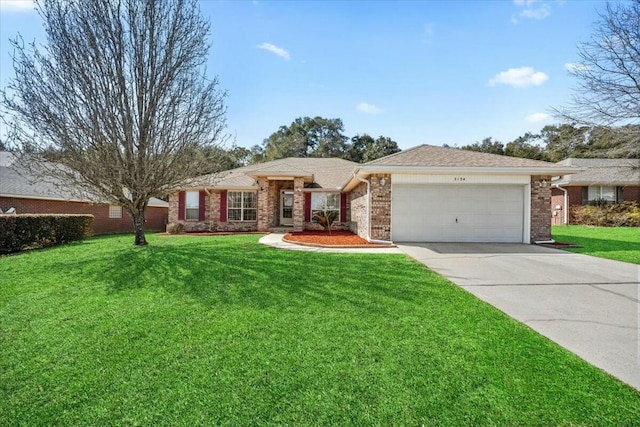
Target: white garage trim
[(459, 179), (526, 230), (459, 211)]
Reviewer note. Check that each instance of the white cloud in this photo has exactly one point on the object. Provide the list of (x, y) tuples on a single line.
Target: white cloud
[(16, 6), (575, 66), (519, 77), (537, 117), (365, 107), (282, 53), (530, 9)]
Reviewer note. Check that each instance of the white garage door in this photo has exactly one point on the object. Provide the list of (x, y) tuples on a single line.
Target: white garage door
[(457, 213)]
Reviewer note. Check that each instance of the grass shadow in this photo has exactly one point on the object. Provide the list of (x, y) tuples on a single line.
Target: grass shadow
[(231, 270)]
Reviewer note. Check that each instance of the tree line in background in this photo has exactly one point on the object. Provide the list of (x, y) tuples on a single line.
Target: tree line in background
[(558, 142), (308, 137), (321, 137)]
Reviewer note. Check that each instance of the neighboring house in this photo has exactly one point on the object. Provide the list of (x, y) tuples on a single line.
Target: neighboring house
[(424, 194), (28, 194), (611, 180)]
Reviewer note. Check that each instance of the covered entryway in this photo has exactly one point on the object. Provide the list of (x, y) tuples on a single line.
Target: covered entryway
[(457, 213)]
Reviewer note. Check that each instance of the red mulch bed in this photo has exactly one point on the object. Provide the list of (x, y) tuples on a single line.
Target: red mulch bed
[(322, 238)]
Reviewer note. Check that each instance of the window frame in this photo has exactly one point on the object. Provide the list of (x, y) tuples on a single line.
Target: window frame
[(332, 209), (194, 207), (112, 212), (242, 209), (599, 196)]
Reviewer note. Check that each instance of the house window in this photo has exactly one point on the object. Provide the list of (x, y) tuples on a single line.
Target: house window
[(325, 202), (601, 192), (242, 206), (192, 205), (115, 211)]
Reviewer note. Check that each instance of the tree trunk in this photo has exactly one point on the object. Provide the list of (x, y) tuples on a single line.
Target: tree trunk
[(138, 224)]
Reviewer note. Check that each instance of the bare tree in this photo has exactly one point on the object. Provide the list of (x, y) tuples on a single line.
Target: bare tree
[(119, 94), (608, 74)]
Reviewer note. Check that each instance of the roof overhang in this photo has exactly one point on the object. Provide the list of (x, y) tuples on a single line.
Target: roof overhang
[(281, 176), (564, 183), (367, 170)]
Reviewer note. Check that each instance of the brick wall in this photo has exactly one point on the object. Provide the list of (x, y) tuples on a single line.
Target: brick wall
[(358, 200), (211, 220), (540, 214), (380, 207), (298, 204), (631, 194), (156, 217)]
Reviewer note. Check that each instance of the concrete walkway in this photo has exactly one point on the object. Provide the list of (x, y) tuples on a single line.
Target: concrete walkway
[(275, 240), (589, 305)]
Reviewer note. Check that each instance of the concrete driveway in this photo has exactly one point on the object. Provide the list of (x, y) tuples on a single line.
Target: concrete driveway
[(590, 306)]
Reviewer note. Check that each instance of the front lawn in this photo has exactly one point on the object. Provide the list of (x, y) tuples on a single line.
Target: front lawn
[(619, 243), (221, 330)]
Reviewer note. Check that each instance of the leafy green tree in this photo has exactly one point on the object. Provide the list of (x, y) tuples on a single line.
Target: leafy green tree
[(563, 141), (526, 146), (306, 137), (486, 146), (363, 148)]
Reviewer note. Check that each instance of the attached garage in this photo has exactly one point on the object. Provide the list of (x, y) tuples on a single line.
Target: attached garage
[(442, 194), (458, 212)]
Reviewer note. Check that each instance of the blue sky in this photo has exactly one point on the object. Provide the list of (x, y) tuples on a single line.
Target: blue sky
[(430, 72)]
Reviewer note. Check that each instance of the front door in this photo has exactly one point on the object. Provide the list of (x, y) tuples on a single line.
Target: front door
[(286, 207)]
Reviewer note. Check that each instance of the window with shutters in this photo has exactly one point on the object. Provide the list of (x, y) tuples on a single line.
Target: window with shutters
[(328, 202), (602, 192), (192, 206)]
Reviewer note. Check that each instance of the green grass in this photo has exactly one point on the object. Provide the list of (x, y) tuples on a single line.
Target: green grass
[(221, 330), (619, 243)]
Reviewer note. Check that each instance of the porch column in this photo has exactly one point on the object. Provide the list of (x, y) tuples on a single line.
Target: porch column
[(298, 204), (263, 204)]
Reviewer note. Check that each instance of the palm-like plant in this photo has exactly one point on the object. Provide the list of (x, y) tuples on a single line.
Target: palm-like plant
[(325, 219)]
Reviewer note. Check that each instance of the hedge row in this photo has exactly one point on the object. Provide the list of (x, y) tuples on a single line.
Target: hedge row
[(30, 231), (625, 214)]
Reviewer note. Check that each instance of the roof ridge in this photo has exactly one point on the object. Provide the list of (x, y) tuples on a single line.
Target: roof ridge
[(408, 150)]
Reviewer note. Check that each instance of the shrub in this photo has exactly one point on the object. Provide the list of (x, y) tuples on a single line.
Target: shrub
[(625, 214), (325, 219), (30, 231), (175, 228)]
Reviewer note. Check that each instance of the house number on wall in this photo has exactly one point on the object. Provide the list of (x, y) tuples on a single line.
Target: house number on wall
[(459, 178)]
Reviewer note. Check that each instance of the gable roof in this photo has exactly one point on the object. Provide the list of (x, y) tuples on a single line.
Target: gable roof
[(601, 172), (433, 156), (328, 173), (15, 181)]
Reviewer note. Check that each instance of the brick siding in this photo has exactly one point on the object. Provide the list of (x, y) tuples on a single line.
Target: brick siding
[(380, 207), (540, 214), (156, 217), (631, 194), (358, 199), (211, 220)]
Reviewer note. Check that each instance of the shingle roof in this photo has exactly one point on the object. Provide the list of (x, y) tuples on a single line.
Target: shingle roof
[(15, 181), (326, 173), (602, 172), (433, 156)]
